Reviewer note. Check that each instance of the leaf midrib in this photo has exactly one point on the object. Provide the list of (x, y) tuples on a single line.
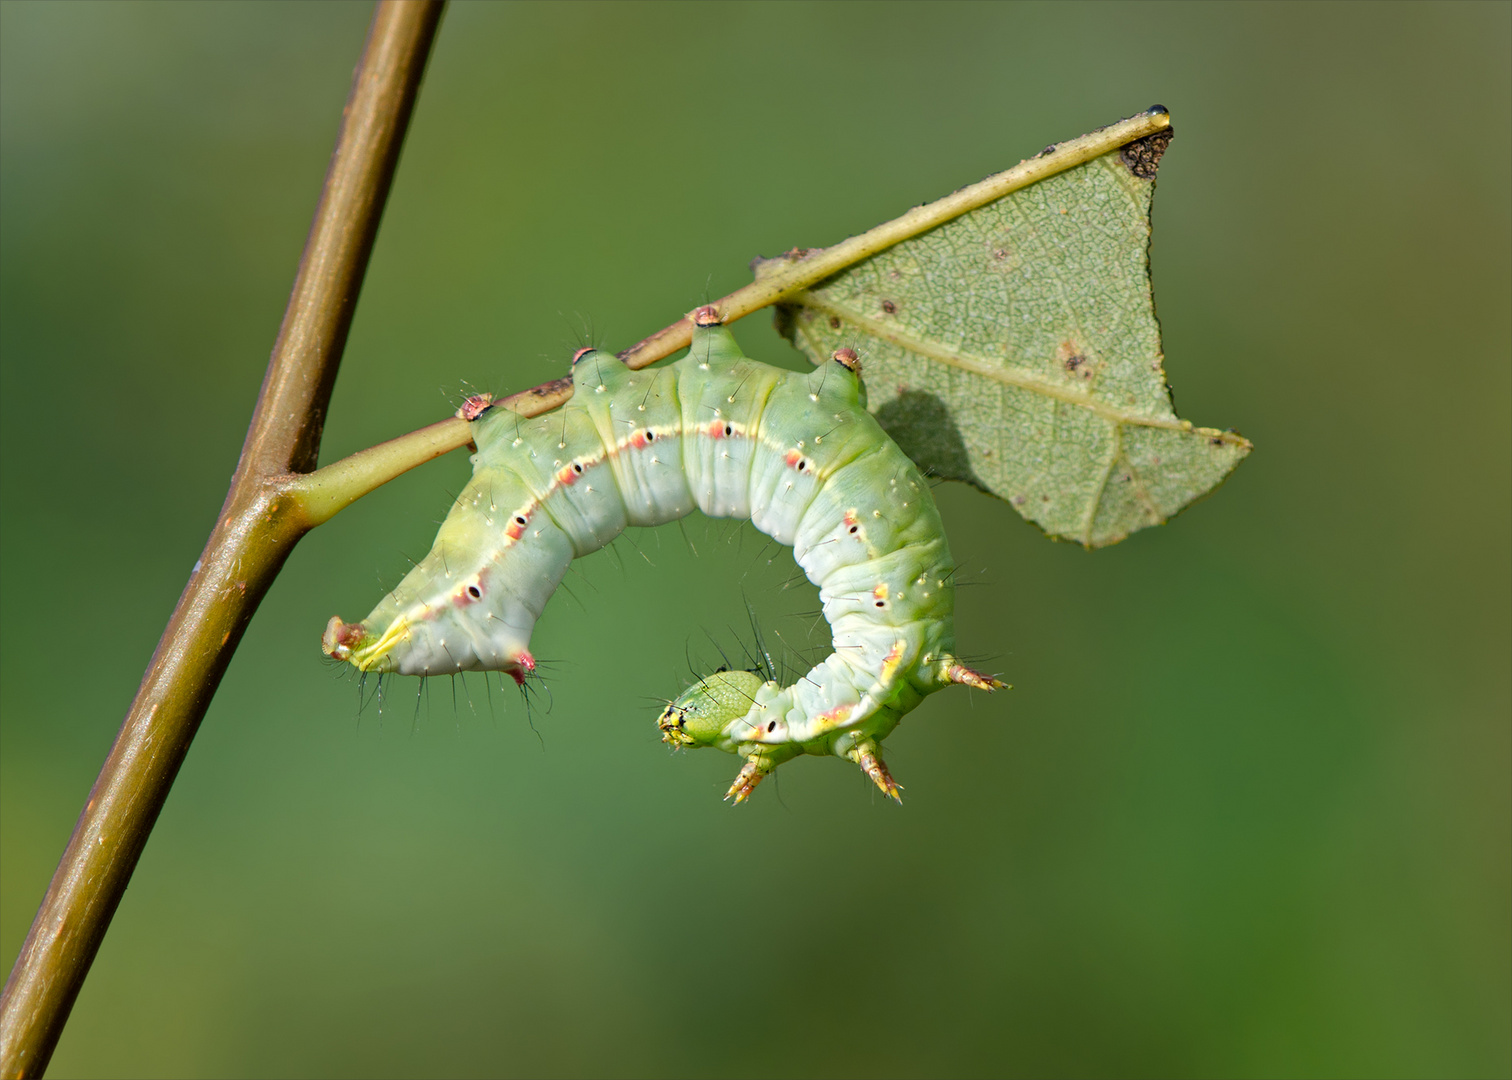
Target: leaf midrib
[(978, 365)]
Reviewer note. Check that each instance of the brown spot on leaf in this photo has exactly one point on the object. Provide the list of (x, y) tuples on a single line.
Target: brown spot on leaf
[(1142, 156), (834, 322), (1073, 360), (889, 307)]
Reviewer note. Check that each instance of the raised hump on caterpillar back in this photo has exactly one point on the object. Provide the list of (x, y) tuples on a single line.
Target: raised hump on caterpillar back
[(795, 452)]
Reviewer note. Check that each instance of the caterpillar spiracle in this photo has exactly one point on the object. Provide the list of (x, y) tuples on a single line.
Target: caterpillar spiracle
[(796, 453)]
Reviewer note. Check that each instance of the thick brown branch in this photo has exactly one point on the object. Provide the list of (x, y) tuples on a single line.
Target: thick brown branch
[(258, 527)]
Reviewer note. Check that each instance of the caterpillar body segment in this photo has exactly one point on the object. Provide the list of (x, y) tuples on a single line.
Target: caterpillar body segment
[(797, 453)]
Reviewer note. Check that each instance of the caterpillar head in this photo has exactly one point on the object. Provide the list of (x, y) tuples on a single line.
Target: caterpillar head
[(700, 715)]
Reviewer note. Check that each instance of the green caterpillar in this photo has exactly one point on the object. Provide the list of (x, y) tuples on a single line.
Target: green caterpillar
[(797, 453)]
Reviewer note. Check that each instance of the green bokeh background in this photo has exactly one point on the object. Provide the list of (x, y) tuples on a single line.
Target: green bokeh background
[(1246, 812)]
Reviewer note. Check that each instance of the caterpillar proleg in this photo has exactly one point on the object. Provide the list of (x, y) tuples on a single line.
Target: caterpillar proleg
[(796, 453)]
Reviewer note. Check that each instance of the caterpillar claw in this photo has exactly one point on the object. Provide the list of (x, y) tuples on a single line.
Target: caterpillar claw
[(960, 673), (753, 772), (871, 764)]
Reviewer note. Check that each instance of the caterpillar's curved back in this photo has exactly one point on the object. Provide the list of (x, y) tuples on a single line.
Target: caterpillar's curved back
[(797, 453)]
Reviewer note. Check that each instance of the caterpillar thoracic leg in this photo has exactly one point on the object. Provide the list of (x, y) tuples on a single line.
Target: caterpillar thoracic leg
[(797, 453)]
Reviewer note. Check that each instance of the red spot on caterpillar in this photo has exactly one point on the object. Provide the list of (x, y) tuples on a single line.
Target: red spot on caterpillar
[(792, 457), (718, 429), (516, 527), (838, 715), (567, 474), (469, 594), (639, 440)]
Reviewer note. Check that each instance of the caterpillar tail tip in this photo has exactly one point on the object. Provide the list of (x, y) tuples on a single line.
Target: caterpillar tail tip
[(340, 638), (751, 773), (960, 673)]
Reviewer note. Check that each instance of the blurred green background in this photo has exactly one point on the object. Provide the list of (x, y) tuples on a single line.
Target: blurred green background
[(1247, 810)]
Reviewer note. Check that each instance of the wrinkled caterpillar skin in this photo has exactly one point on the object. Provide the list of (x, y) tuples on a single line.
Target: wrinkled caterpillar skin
[(797, 453)]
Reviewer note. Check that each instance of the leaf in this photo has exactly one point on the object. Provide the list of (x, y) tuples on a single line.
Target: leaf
[(1016, 348)]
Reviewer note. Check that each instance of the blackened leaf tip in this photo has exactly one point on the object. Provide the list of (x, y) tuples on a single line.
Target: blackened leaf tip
[(1142, 156)]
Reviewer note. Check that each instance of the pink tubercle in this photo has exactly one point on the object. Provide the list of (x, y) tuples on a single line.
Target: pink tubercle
[(475, 406), (524, 664)]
